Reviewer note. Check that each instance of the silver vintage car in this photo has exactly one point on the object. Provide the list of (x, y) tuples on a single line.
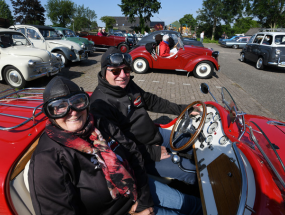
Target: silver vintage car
[(45, 37), (20, 61), (238, 42)]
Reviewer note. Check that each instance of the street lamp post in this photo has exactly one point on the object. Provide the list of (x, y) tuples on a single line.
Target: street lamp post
[(73, 24)]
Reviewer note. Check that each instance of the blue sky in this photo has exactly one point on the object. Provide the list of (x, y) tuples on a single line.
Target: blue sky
[(170, 11)]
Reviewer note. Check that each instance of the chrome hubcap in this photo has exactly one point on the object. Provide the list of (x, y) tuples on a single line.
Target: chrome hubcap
[(13, 76), (203, 69), (259, 63), (139, 65)]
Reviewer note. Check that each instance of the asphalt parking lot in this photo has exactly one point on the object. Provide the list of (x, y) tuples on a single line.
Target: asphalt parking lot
[(239, 78)]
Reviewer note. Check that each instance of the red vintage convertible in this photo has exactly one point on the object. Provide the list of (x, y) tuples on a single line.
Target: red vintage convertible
[(239, 157), (186, 58), (104, 42)]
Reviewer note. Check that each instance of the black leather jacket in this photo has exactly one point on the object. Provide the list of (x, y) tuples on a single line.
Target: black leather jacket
[(127, 109), (63, 180)]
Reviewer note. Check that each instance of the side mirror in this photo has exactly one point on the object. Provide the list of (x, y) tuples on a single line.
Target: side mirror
[(204, 88)]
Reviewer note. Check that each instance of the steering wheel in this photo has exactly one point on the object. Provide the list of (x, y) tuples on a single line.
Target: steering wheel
[(19, 42), (185, 125)]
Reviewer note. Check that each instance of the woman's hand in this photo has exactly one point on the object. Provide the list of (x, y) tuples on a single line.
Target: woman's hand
[(148, 211), (164, 153)]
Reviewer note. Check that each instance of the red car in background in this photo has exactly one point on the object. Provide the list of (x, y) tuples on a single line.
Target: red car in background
[(188, 58), (239, 157), (124, 44)]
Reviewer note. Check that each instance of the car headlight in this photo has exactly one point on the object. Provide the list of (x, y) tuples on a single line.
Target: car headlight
[(277, 51), (83, 46), (215, 54), (31, 63)]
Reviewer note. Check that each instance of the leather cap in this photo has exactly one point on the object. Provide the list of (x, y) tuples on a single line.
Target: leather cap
[(104, 59), (59, 87)]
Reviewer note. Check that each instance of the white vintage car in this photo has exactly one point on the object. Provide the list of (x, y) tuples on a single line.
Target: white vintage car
[(45, 37), (20, 61)]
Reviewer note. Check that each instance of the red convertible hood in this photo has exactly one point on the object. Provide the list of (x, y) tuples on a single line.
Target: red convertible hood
[(199, 49), (276, 135)]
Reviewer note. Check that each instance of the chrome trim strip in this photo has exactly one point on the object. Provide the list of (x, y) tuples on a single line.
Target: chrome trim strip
[(243, 196), (275, 123)]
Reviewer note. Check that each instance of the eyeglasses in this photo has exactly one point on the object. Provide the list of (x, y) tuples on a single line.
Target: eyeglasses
[(117, 71), (60, 107), (118, 59)]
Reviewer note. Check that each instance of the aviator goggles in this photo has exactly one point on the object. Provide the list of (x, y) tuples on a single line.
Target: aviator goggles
[(117, 71), (60, 107), (118, 59)]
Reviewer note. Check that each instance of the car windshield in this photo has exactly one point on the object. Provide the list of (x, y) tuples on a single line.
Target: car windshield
[(69, 33), (9, 39), (50, 34), (280, 39)]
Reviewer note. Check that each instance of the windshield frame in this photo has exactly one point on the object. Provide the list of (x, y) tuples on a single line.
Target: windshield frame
[(49, 38), (28, 42)]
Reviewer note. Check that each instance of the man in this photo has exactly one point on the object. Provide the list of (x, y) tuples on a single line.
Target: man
[(104, 32), (202, 37), (125, 104), (223, 35)]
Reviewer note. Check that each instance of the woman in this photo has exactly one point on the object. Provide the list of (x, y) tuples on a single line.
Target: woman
[(74, 170)]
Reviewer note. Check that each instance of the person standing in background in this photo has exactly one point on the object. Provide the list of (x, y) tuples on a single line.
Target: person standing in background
[(202, 37)]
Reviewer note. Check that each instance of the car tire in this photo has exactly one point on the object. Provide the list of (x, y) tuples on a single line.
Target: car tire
[(204, 70), (242, 57), (123, 48), (14, 77), (259, 63), (235, 46), (140, 65), (63, 58)]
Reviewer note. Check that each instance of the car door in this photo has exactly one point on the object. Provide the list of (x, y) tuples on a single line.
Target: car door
[(248, 48), (36, 38), (243, 42), (256, 49)]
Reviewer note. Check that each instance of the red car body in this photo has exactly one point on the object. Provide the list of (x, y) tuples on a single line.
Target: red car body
[(15, 145), (187, 59), (102, 42)]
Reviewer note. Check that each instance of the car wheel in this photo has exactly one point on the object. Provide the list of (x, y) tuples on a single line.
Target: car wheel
[(235, 46), (123, 48), (203, 70), (63, 58), (242, 58), (14, 77), (259, 63), (140, 65)]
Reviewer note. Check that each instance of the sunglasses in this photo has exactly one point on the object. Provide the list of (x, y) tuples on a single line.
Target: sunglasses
[(117, 71), (60, 107), (118, 59)]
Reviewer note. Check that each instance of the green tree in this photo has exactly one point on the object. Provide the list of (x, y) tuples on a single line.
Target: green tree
[(215, 11), (242, 25), (188, 20), (270, 13), (60, 12), (109, 21), (83, 17), (141, 8), (6, 12), (28, 12), (94, 25)]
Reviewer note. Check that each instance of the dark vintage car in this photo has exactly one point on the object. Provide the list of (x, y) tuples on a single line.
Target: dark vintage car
[(124, 44), (265, 48), (238, 42), (199, 60), (150, 38)]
